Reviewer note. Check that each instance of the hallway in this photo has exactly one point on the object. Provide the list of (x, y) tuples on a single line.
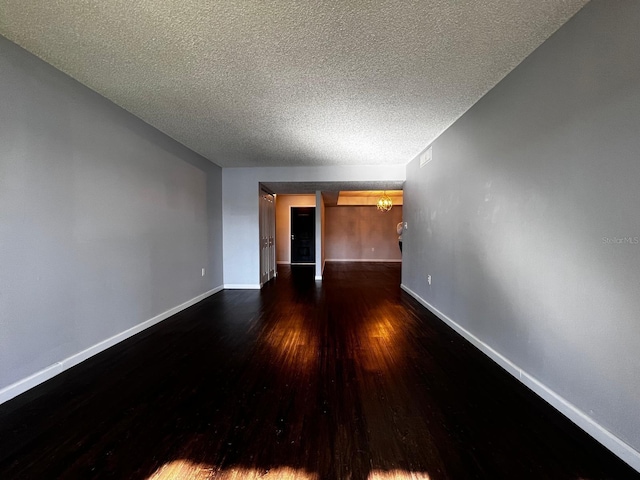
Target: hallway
[(348, 378)]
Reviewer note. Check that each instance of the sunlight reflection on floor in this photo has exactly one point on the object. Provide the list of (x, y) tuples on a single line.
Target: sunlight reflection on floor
[(294, 345), (184, 469), (397, 475)]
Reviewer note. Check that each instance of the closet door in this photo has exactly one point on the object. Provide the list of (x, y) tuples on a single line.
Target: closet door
[(272, 238), (267, 237)]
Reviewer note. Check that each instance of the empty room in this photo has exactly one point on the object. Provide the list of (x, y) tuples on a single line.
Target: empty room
[(320, 240)]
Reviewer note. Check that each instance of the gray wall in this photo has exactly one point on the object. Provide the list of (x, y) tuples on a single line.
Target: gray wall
[(104, 221), (528, 218), (240, 209)]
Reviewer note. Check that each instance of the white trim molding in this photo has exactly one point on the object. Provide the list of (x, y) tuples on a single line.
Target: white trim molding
[(21, 386), (623, 450)]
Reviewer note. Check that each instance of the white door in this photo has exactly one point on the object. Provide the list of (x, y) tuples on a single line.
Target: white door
[(272, 238), (267, 237)]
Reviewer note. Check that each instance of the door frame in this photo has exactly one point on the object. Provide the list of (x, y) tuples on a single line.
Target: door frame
[(289, 230)]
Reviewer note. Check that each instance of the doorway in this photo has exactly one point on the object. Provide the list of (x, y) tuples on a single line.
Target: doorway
[(303, 235)]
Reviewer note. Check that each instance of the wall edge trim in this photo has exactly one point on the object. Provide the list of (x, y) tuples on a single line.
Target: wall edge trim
[(41, 376), (613, 443)]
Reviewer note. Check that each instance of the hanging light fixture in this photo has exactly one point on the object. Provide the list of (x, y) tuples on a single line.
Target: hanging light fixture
[(384, 202)]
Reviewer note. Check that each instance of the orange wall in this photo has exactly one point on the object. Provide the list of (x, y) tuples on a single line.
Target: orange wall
[(283, 222), (362, 233)]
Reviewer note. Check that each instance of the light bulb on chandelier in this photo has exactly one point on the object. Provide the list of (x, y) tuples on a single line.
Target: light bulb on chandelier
[(384, 203)]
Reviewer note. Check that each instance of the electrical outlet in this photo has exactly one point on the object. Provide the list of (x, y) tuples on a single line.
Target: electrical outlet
[(203, 272), (429, 279)]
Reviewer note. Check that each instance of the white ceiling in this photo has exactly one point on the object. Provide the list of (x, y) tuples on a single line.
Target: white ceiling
[(266, 83)]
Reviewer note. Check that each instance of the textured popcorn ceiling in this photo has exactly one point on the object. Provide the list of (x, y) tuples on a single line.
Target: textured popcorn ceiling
[(260, 83)]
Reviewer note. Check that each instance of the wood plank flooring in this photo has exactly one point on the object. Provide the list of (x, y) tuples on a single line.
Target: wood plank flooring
[(349, 378)]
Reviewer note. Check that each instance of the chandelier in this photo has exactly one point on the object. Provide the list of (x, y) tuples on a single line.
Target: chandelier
[(384, 203)]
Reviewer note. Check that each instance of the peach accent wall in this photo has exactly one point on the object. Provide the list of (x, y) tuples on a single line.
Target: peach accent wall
[(283, 222), (362, 233)]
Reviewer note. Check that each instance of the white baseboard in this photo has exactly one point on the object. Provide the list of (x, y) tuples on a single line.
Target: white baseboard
[(318, 277), (623, 450), (242, 286), (382, 260), (27, 383), (21, 386), (282, 262)]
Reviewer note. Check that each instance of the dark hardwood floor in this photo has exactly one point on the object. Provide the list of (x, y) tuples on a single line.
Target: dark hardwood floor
[(345, 379)]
